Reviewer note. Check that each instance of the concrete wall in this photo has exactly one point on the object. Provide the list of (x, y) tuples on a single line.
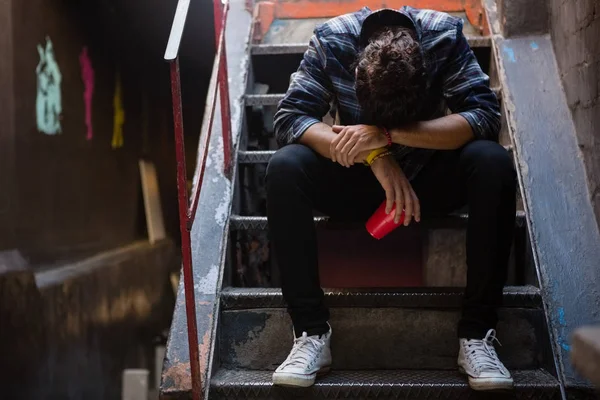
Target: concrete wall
[(68, 333), (575, 28)]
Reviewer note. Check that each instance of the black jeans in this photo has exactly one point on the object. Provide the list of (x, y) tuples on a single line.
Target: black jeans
[(480, 175)]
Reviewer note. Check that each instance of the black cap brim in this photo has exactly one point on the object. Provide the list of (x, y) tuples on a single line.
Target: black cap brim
[(380, 18)]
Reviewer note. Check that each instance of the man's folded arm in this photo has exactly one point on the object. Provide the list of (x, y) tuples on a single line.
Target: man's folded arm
[(475, 108), (467, 91)]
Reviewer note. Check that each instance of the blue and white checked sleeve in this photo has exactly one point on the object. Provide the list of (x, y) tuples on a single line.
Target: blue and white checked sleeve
[(467, 91), (308, 97)]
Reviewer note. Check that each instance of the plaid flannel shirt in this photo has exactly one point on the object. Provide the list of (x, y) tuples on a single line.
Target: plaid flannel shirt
[(325, 79)]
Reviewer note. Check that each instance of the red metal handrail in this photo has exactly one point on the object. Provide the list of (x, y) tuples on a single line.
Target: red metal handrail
[(187, 211)]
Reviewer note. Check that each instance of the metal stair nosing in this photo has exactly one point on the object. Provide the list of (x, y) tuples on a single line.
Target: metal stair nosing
[(263, 156), (300, 48), (233, 298), (273, 99), (410, 384), (241, 223)]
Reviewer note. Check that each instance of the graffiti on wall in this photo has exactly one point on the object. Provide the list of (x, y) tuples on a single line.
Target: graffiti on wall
[(48, 101), (87, 75), (119, 117)]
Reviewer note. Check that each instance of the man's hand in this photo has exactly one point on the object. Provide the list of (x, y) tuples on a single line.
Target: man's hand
[(397, 190), (354, 139)]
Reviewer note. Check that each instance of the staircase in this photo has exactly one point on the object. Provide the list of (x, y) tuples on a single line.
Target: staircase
[(387, 342), (390, 341)]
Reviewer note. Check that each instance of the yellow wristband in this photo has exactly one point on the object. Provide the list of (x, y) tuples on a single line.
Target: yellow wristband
[(375, 153)]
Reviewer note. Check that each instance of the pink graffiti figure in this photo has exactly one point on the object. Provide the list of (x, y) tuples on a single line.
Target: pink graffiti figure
[(87, 75)]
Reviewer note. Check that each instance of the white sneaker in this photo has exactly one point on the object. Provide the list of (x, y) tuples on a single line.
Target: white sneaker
[(310, 356), (478, 359)]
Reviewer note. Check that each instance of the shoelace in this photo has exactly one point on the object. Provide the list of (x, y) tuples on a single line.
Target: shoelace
[(482, 354), (304, 350)]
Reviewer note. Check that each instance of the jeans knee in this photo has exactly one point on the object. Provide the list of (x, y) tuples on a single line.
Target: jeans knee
[(490, 161), (288, 165)]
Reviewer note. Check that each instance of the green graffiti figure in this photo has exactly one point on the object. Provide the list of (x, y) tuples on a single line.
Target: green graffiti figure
[(49, 101)]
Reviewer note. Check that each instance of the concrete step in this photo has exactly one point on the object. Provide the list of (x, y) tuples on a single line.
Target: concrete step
[(380, 330), (411, 385), (300, 48)]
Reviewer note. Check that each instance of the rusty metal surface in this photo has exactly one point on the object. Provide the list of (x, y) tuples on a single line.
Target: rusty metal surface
[(561, 221), (184, 223), (413, 385), (210, 224), (249, 298), (377, 338)]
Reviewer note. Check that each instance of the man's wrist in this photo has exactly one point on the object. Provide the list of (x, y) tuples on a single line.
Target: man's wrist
[(400, 135)]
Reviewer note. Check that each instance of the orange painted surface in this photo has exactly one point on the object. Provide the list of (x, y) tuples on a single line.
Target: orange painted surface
[(321, 9), (352, 258), (264, 15), (299, 9)]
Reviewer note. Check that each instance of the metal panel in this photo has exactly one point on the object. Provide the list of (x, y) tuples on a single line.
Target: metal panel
[(410, 385), (552, 175), (561, 220)]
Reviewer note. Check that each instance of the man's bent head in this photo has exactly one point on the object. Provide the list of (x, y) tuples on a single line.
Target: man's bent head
[(391, 77)]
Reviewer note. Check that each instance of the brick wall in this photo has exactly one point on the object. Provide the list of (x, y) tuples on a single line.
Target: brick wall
[(575, 28)]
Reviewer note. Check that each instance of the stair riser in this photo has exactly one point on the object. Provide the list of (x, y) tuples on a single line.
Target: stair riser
[(383, 338), (439, 247)]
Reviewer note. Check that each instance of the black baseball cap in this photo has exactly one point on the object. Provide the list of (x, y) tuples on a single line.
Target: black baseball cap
[(381, 18)]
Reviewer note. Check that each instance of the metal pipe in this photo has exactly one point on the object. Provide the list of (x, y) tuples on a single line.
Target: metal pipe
[(181, 12), (225, 107), (211, 104), (186, 247)]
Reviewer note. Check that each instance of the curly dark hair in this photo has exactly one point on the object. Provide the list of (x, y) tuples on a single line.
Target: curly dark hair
[(391, 77)]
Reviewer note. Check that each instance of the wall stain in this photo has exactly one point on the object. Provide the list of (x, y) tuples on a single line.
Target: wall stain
[(119, 117), (87, 76)]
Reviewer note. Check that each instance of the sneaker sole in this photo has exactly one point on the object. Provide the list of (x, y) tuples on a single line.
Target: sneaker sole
[(298, 380), (488, 384)]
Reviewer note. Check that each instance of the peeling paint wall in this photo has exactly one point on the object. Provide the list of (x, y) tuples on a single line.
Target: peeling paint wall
[(575, 28), (64, 192)]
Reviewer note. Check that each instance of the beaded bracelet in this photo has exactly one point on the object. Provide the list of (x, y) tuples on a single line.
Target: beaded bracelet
[(388, 136)]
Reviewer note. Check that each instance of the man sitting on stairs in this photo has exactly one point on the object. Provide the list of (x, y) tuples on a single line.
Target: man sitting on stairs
[(392, 75)]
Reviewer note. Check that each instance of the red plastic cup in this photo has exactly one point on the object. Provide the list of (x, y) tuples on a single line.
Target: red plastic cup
[(380, 223)]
